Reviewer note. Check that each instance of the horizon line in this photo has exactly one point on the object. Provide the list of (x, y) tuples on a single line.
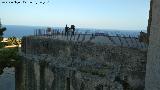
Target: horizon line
[(93, 28)]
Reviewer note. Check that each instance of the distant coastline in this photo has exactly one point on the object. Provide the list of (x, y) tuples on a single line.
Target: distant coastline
[(22, 30)]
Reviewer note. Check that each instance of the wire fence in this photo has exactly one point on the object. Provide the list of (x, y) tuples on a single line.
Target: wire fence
[(116, 39)]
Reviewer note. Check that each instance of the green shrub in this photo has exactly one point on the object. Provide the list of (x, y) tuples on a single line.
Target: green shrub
[(2, 44), (8, 54)]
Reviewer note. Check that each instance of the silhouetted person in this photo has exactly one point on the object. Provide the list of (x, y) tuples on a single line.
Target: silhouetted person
[(73, 28), (66, 29)]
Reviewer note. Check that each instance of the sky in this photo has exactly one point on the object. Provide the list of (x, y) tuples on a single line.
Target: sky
[(102, 14)]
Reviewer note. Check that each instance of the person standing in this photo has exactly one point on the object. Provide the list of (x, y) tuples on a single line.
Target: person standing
[(66, 30), (73, 28)]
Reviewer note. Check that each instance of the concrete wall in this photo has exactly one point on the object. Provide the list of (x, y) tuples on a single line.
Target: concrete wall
[(153, 58), (82, 66)]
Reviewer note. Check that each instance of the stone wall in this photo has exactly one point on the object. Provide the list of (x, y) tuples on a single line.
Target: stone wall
[(152, 81), (83, 66)]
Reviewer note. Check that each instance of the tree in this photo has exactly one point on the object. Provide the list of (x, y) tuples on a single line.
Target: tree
[(2, 29)]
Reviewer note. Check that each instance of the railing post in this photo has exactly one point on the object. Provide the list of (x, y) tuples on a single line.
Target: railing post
[(78, 37)]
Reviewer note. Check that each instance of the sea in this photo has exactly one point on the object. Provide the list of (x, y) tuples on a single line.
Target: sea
[(19, 31)]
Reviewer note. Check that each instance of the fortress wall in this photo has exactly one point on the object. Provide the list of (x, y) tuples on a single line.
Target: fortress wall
[(85, 65)]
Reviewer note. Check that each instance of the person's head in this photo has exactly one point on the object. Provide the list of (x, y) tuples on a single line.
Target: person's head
[(72, 26)]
